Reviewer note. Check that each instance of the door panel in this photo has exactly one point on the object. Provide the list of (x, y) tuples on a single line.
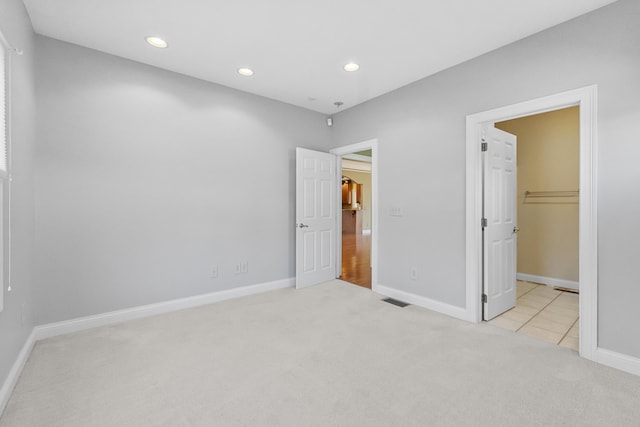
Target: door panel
[(500, 244), (325, 195), (309, 243), (316, 196), (326, 249), (309, 198)]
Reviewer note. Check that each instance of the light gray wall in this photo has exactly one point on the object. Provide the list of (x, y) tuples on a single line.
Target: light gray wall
[(16, 319), (145, 178), (421, 132)]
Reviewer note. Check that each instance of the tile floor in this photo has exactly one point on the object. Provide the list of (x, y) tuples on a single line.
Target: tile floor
[(544, 313)]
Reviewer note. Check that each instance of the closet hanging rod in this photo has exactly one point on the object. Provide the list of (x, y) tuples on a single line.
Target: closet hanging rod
[(569, 193)]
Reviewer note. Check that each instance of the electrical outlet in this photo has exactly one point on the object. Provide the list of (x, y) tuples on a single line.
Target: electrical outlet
[(244, 267), (237, 268), (395, 211), (214, 271), (414, 273)]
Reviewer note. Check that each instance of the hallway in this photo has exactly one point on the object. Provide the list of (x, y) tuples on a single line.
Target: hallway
[(356, 259)]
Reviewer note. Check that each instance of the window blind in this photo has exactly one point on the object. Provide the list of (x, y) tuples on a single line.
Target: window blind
[(5, 233), (3, 110)]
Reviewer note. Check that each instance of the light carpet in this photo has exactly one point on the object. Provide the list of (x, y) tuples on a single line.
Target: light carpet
[(329, 355)]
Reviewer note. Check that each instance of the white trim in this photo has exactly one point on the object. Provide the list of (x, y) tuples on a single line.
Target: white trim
[(358, 158), (12, 379), (619, 361), (586, 98), (110, 318), (372, 145), (366, 232), (549, 281), (355, 165), (424, 302)]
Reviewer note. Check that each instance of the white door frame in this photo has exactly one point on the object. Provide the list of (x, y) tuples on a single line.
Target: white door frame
[(372, 145), (586, 98)]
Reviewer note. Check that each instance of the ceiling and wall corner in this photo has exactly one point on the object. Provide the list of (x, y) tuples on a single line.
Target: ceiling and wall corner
[(298, 49)]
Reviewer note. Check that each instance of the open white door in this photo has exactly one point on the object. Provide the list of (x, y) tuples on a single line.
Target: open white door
[(316, 186), (499, 229)]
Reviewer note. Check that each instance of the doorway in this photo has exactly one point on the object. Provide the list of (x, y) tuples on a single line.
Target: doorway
[(357, 236), (356, 218), (585, 98), (547, 200)]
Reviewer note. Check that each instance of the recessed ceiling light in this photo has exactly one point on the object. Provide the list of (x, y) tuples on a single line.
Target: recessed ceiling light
[(157, 42), (247, 72), (351, 66)]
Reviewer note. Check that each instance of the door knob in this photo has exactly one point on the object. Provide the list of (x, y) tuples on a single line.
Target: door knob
[(301, 225), (516, 229)]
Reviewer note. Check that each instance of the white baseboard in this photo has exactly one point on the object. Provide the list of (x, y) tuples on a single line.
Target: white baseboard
[(12, 379), (110, 318), (619, 361), (609, 358), (83, 323), (549, 281), (440, 307)]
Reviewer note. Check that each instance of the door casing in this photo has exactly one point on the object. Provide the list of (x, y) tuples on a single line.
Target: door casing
[(372, 145), (586, 98)]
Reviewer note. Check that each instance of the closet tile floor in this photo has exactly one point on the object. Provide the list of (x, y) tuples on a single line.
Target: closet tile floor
[(544, 313)]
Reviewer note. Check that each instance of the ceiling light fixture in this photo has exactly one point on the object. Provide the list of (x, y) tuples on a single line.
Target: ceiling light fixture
[(351, 66), (156, 42), (247, 72)]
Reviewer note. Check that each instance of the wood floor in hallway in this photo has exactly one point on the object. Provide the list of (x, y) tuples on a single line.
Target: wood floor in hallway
[(356, 259)]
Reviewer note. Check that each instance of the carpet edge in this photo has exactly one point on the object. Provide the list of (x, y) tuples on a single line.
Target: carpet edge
[(118, 316)]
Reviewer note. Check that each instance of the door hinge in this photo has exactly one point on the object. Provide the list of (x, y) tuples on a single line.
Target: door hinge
[(484, 146), (484, 222), (484, 298)]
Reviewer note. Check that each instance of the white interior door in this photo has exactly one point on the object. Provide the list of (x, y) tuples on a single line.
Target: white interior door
[(316, 187), (499, 231)]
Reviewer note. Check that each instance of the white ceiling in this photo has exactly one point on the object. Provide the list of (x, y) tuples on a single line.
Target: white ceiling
[(298, 48)]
